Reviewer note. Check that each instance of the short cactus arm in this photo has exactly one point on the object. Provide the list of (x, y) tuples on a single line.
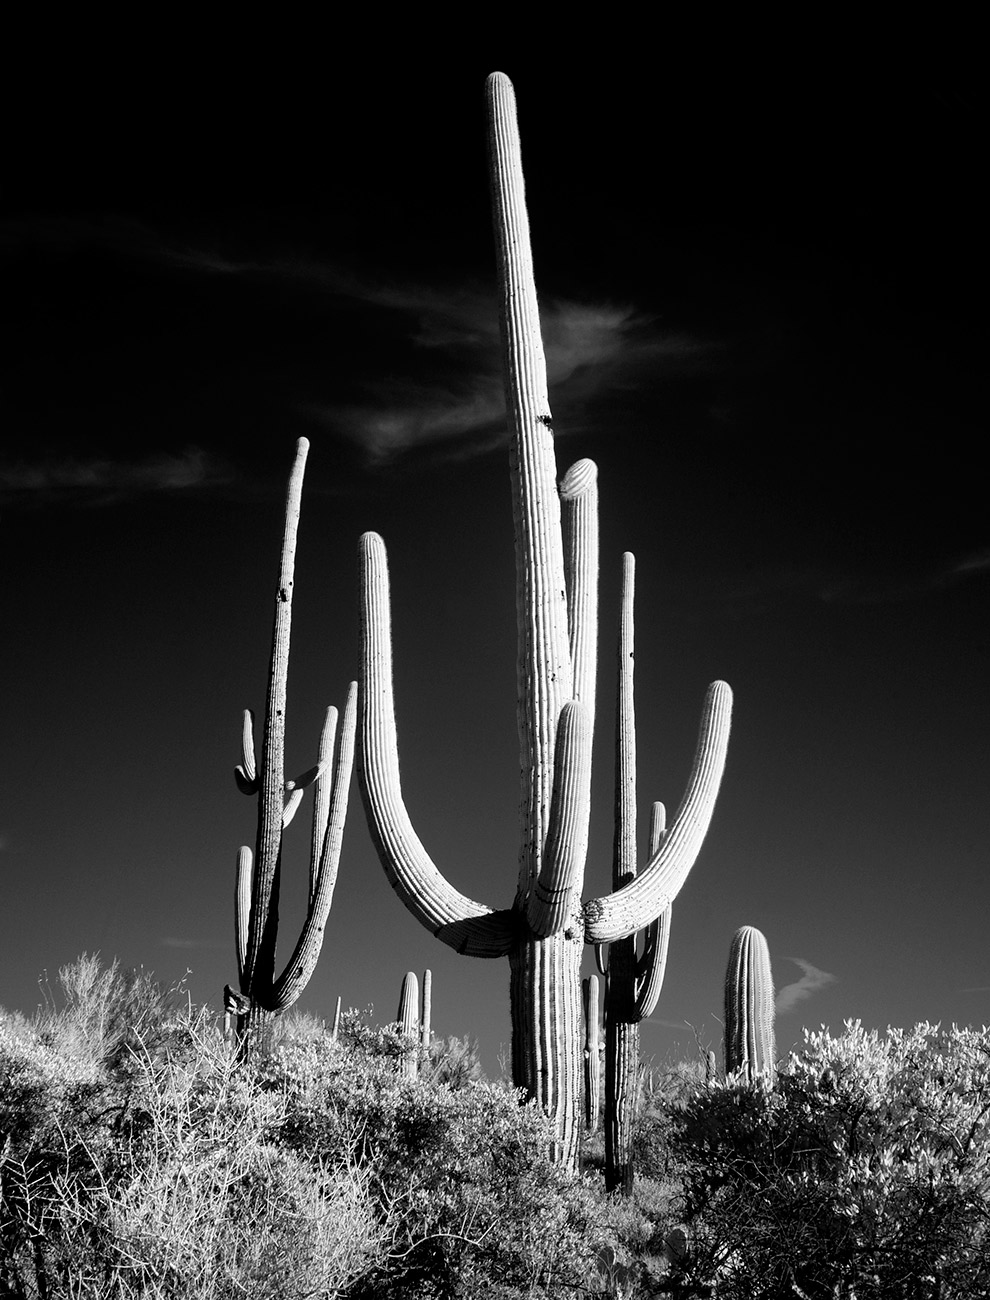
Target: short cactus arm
[(246, 773), (579, 525), (460, 922), (242, 911), (634, 906), (551, 903), (329, 813)]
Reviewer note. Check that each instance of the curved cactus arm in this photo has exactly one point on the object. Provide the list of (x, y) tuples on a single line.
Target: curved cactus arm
[(292, 805), (460, 922), (242, 910), (246, 773), (601, 959), (264, 918), (552, 901), (321, 797), (579, 525), (303, 961), (749, 1006), (635, 905), (652, 965)]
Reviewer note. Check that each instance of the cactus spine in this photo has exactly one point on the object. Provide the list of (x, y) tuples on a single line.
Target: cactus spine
[(749, 1011), (633, 981), (262, 995), (592, 1054), (542, 933)]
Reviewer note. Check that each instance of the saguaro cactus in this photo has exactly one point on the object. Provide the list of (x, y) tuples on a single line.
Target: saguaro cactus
[(634, 980), (409, 1024), (543, 931), (749, 1010), (262, 995)]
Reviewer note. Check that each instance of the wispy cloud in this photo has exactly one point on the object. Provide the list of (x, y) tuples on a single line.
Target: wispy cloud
[(810, 982), (593, 349), (102, 480)]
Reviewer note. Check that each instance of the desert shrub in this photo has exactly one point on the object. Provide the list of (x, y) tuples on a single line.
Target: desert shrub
[(462, 1174), (864, 1170)]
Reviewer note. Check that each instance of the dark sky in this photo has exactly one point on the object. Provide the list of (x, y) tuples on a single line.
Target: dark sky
[(763, 296)]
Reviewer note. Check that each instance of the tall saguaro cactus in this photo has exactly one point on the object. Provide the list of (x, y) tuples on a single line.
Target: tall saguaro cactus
[(633, 979), (543, 931), (262, 995), (749, 1010)]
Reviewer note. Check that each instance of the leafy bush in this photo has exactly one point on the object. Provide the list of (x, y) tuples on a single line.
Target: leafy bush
[(864, 1170)]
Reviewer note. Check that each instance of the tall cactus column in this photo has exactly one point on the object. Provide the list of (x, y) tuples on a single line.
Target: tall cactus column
[(261, 994), (542, 933)]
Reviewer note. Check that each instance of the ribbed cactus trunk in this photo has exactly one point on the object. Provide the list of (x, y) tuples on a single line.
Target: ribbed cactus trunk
[(750, 1047)]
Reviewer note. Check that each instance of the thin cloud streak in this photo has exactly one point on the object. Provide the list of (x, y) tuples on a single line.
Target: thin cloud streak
[(102, 481), (810, 982)]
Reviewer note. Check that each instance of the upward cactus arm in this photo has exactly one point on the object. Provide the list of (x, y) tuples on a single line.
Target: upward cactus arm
[(652, 965), (322, 796), (460, 922), (552, 902), (242, 911), (326, 849), (579, 524), (634, 906)]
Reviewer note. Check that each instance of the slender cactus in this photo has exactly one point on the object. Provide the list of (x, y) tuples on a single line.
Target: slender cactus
[(426, 1019), (749, 1011), (543, 931), (592, 1054), (634, 980), (262, 995), (409, 1024)]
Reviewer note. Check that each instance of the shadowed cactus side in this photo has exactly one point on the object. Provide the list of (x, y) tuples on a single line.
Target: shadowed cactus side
[(750, 1048), (262, 994), (544, 930)]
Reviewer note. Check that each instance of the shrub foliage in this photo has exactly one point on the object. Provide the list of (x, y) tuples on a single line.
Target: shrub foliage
[(141, 1157)]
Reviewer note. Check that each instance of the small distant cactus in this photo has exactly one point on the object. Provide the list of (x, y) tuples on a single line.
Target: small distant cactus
[(262, 994), (750, 1049), (409, 1024)]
